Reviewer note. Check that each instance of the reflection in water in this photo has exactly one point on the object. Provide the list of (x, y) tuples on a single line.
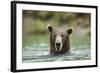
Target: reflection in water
[(31, 55)]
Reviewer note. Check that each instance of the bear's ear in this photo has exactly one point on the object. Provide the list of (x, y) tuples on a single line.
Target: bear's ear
[(69, 31), (50, 28)]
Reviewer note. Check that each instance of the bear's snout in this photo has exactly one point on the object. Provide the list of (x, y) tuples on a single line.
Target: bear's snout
[(58, 43)]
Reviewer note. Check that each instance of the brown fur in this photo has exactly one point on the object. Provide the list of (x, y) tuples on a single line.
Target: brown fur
[(65, 34)]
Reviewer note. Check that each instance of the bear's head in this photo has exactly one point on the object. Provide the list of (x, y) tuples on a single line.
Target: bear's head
[(59, 39)]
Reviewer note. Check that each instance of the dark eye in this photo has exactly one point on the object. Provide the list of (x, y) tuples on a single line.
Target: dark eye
[(62, 35), (54, 35)]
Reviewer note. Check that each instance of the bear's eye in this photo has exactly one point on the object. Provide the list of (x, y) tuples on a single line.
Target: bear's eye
[(54, 35), (62, 35)]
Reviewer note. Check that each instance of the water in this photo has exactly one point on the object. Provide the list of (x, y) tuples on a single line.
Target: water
[(36, 49), (41, 54)]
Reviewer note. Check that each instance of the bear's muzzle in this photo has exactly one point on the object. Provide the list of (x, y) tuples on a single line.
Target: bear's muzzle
[(58, 43)]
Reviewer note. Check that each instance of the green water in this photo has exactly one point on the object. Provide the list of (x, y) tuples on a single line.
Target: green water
[(76, 41), (36, 49)]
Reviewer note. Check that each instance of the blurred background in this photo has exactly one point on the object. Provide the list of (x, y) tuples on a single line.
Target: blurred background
[(36, 36), (35, 25)]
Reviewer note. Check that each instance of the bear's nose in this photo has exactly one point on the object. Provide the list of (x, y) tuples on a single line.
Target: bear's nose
[(57, 44)]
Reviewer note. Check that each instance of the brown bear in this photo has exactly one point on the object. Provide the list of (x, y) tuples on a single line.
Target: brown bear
[(59, 40)]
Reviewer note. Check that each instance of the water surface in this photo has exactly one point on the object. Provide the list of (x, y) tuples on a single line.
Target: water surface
[(31, 55)]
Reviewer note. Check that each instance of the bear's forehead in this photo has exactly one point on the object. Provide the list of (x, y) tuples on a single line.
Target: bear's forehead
[(59, 31)]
